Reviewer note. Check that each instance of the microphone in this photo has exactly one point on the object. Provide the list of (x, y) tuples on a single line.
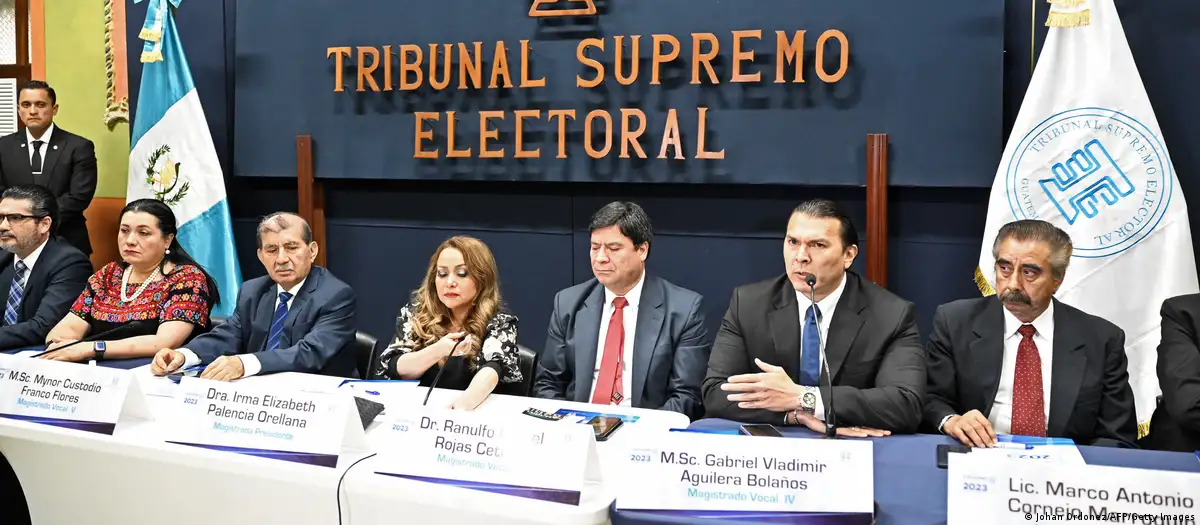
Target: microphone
[(830, 417), (442, 369), (139, 324)]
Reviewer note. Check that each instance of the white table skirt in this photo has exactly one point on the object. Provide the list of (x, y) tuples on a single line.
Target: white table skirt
[(133, 477)]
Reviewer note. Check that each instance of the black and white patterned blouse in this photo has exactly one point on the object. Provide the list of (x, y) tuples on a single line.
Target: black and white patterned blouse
[(498, 352)]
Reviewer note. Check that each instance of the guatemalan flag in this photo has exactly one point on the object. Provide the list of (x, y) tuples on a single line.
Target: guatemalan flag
[(172, 157), (1087, 155)]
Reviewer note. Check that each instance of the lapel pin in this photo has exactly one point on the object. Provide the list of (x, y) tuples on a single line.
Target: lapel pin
[(55, 147)]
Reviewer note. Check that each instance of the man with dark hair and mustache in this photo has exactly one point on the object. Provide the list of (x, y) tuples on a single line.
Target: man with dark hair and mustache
[(767, 363), (297, 318), (1023, 363), (42, 274)]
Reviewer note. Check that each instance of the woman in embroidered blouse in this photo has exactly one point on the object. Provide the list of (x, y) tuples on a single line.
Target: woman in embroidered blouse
[(155, 281), (458, 304)]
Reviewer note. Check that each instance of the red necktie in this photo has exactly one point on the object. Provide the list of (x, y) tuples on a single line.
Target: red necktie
[(608, 384), (1028, 408)]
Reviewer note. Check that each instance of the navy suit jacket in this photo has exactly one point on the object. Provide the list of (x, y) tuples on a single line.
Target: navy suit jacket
[(317, 334), (670, 348), (52, 286)]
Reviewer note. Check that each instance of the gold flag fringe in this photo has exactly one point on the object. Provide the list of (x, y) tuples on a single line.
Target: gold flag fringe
[(985, 287), (117, 110), (1077, 19), (1143, 429), (1067, 4), (153, 35), (152, 56)]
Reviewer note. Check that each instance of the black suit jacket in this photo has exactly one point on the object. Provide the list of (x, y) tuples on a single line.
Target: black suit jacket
[(669, 347), (55, 281), (1091, 401), (317, 332), (873, 349), (68, 170), (1176, 421)]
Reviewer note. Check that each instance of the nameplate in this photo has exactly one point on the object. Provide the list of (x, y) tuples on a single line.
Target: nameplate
[(710, 472), (988, 490), (518, 457), (284, 423), (68, 395)]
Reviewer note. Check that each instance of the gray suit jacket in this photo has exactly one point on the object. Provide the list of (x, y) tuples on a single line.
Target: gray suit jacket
[(317, 335), (1090, 398), (873, 349), (669, 352)]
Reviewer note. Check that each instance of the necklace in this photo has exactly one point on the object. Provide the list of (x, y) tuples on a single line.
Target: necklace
[(125, 284)]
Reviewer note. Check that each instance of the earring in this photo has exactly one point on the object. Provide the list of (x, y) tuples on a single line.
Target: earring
[(168, 251)]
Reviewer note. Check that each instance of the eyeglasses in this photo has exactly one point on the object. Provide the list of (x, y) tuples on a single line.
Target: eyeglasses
[(15, 217)]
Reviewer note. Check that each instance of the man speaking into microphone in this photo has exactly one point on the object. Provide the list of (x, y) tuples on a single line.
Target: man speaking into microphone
[(777, 358)]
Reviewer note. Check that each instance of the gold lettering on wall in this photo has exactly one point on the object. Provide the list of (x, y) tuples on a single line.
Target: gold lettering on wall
[(432, 65)]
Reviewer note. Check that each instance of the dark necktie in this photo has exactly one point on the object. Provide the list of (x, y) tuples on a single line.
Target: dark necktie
[(277, 321), (810, 349), (14, 294), (1028, 408), (35, 164), (609, 387)]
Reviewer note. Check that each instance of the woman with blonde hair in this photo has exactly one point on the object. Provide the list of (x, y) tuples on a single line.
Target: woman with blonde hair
[(454, 321)]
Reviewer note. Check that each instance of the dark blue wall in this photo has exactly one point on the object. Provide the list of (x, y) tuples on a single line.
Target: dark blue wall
[(710, 237), (922, 91)]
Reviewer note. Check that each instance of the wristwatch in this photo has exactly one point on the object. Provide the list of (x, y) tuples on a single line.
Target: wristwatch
[(808, 402), (98, 348)]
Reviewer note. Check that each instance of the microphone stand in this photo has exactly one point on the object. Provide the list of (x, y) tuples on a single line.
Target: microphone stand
[(830, 416), (441, 369)]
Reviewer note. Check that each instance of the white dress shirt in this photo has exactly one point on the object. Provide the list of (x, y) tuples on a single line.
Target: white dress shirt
[(250, 364), (45, 144), (629, 323), (826, 307), (1001, 413), (30, 261)]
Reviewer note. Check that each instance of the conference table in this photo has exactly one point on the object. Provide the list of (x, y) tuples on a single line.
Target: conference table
[(910, 489), (124, 364), (134, 477)]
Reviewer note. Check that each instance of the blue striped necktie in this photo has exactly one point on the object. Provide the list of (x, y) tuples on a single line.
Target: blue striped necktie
[(810, 349), (15, 293), (277, 321)]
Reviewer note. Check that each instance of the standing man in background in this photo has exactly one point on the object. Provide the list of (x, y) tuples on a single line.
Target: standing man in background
[(49, 156)]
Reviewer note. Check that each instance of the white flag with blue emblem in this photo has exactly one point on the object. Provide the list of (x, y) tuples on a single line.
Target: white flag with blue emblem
[(173, 159), (1087, 155)]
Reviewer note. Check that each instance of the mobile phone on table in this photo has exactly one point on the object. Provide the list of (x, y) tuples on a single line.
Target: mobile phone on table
[(604, 426), (944, 451), (180, 373), (761, 430)]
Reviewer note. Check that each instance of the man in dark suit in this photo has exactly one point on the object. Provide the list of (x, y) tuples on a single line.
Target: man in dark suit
[(42, 274), (49, 156), (626, 337), (766, 364), (299, 318), (1024, 363), (1176, 422)]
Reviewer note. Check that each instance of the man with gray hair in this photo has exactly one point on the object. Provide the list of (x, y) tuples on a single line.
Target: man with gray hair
[(1023, 363), (298, 318)]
